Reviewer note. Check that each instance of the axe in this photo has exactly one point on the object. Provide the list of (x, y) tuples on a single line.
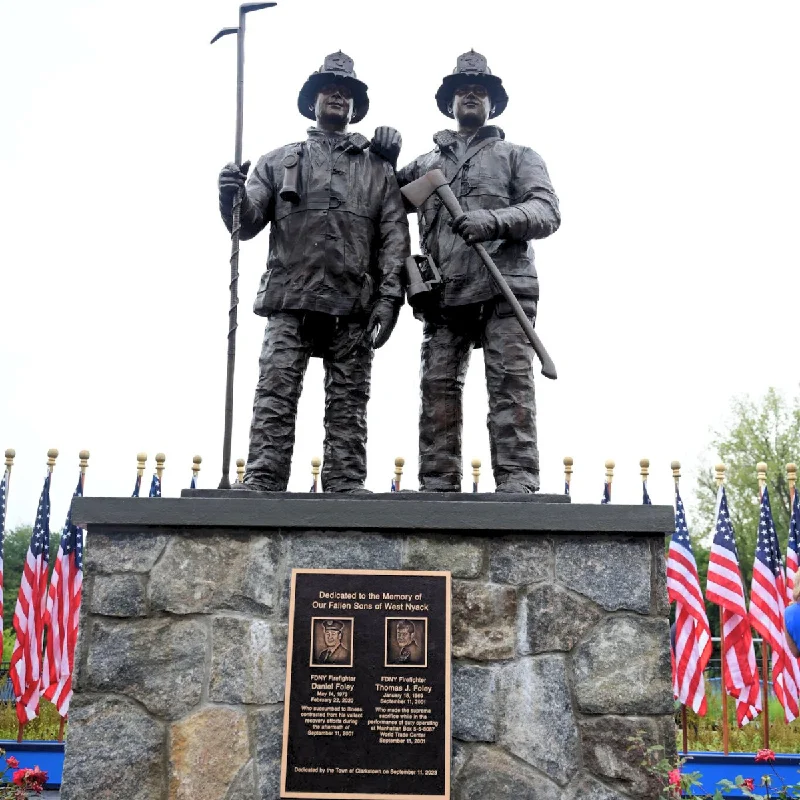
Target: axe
[(417, 192)]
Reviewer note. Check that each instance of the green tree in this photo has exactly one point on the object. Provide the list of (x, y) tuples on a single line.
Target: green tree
[(765, 429)]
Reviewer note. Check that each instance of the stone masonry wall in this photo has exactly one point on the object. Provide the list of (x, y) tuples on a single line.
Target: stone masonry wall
[(559, 642)]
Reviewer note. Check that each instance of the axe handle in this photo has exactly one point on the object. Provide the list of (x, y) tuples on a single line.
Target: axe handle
[(548, 367)]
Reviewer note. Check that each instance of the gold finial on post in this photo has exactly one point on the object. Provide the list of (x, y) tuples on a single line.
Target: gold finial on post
[(10, 454), (761, 468), (644, 468), (476, 473), (84, 460), (676, 471), (141, 463), (791, 474), (160, 459), (568, 462), (610, 471), (399, 463), (196, 462), (720, 474), (52, 455), (240, 470), (316, 463)]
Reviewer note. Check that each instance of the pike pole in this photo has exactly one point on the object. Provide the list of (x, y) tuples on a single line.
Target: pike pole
[(245, 8)]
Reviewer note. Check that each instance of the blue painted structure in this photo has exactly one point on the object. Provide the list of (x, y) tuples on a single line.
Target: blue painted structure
[(48, 756), (715, 767)]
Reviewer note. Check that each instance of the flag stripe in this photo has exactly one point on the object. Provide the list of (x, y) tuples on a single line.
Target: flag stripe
[(692, 645)]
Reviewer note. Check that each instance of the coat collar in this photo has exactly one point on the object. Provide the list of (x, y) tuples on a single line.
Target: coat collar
[(447, 139), (350, 142)]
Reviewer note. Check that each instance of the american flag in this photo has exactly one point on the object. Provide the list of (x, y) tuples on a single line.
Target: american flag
[(792, 548), (62, 614), (155, 487), (3, 495), (767, 605), (566, 487), (137, 486), (692, 633), (725, 588), (313, 486), (26, 658), (394, 486), (645, 496), (193, 484), (606, 494)]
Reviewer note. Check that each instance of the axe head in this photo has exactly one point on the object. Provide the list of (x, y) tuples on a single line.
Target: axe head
[(418, 191)]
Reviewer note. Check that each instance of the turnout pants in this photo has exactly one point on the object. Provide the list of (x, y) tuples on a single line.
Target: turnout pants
[(290, 339), (508, 358)]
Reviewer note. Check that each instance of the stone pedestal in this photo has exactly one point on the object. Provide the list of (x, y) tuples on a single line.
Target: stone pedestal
[(560, 638)]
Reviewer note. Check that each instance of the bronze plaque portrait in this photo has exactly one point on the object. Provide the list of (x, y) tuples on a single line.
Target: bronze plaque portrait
[(331, 641), (406, 641)]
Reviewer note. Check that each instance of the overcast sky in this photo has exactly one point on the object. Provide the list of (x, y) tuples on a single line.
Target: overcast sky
[(670, 132)]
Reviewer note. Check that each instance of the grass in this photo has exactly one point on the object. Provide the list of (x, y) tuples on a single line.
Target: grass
[(44, 727), (705, 733)]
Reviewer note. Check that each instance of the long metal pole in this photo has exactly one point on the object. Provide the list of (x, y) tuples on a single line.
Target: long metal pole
[(725, 731), (720, 477), (762, 482), (233, 310), (244, 9)]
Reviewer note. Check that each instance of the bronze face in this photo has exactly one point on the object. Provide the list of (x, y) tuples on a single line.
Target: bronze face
[(405, 635), (332, 637), (334, 105), (471, 105)]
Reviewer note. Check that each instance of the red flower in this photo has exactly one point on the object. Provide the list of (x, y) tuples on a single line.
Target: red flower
[(11, 762), (749, 783), (38, 776), (765, 755), (674, 777), (30, 778), (19, 777)]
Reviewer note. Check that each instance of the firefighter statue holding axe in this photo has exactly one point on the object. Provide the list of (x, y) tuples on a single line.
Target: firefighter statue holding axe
[(474, 188), (332, 287)]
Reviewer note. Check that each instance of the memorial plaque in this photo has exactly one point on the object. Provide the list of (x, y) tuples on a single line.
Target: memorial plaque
[(367, 709)]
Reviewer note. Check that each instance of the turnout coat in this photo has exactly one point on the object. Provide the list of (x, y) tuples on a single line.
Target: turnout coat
[(510, 181), (342, 247)]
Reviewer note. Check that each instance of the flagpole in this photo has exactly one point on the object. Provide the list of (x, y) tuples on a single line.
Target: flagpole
[(240, 462), (476, 474), (676, 476), (196, 462), (761, 467), (720, 478), (83, 464), (791, 474), (644, 471), (316, 463), (568, 462), (399, 463), (52, 455), (609, 476), (160, 459), (10, 453), (141, 465)]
